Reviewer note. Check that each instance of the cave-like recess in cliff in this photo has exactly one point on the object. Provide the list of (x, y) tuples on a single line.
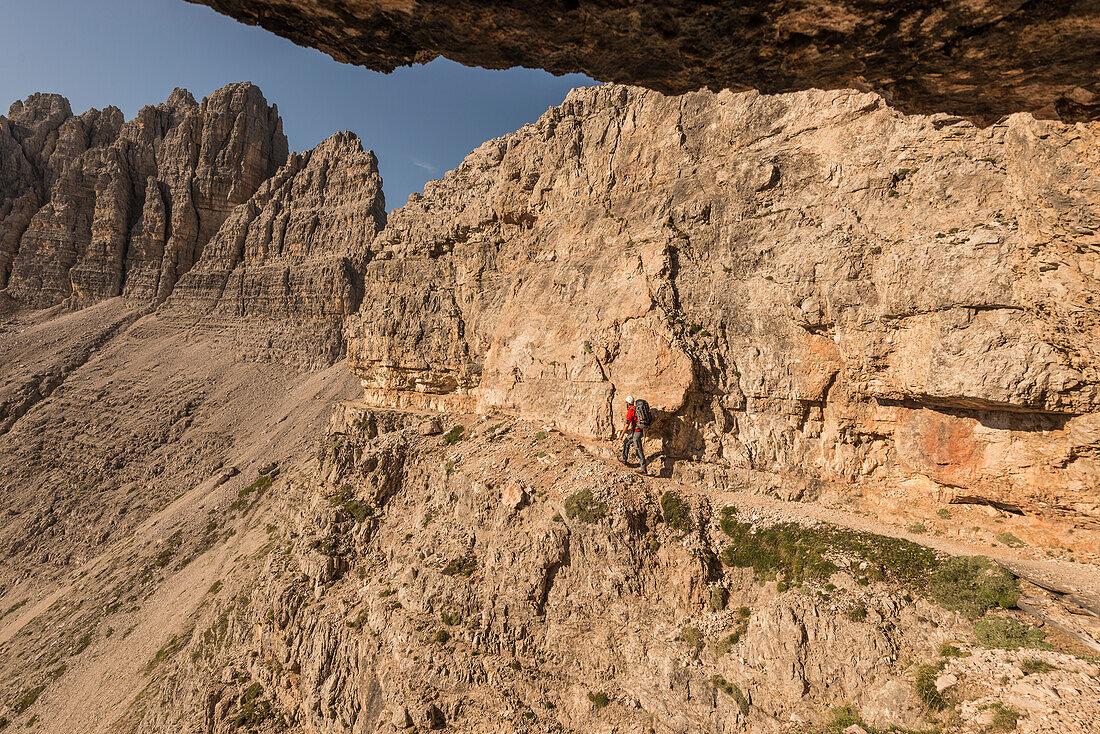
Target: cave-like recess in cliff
[(979, 58)]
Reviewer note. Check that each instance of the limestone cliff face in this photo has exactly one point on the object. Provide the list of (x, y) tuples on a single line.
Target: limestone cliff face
[(809, 283), (92, 206), (981, 58), (286, 262)]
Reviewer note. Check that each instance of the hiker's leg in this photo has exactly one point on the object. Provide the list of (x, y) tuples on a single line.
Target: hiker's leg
[(638, 448), (626, 449)]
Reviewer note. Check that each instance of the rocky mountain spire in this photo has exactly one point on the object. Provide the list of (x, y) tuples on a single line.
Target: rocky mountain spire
[(81, 197)]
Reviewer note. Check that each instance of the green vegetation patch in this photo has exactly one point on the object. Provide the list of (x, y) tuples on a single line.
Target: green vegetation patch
[(175, 540), (254, 709), (599, 699), (677, 512), (1004, 718), (170, 648), (844, 716), (947, 650), (970, 585), (584, 507), (1009, 539), (27, 699), (463, 565), (454, 435), (14, 608), (252, 493), (1008, 634), (857, 613), (719, 597), (785, 548), (351, 506), (726, 643), (925, 686), (360, 619), (731, 689), (1035, 665)]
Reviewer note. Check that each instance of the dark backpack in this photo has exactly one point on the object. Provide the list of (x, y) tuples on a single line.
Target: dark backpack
[(642, 413)]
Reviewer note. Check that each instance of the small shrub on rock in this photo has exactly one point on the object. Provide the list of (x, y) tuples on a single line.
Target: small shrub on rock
[(719, 597), (464, 565), (584, 507), (731, 689), (693, 636), (677, 512), (728, 520), (599, 699), (842, 717), (452, 436), (947, 650)]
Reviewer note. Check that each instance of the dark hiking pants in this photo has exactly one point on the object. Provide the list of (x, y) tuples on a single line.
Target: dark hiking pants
[(633, 439)]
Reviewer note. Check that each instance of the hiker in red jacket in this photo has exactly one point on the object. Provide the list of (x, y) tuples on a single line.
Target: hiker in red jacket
[(632, 433)]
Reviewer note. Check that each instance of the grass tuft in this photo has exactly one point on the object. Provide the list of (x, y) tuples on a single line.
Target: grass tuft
[(677, 512), (1004, 718), (925, 685), (584, 507), (1008, 634), (1035, 665)]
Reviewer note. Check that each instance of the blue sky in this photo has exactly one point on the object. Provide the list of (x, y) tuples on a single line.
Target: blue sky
[(421, 120)]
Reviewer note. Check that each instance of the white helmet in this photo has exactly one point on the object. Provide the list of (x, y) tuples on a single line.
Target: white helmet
[(629, 400)]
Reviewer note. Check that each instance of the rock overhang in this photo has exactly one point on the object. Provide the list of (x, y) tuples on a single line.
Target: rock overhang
[(982, 59)]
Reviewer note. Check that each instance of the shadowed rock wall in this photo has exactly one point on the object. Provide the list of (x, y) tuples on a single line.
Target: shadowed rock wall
[(981, 59)]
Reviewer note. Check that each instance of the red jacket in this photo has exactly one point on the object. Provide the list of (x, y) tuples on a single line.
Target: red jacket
[(631, 418)]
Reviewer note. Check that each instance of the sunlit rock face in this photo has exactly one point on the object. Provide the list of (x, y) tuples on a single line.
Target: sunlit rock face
[(92, 207), (810, 283), (981, 59)]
